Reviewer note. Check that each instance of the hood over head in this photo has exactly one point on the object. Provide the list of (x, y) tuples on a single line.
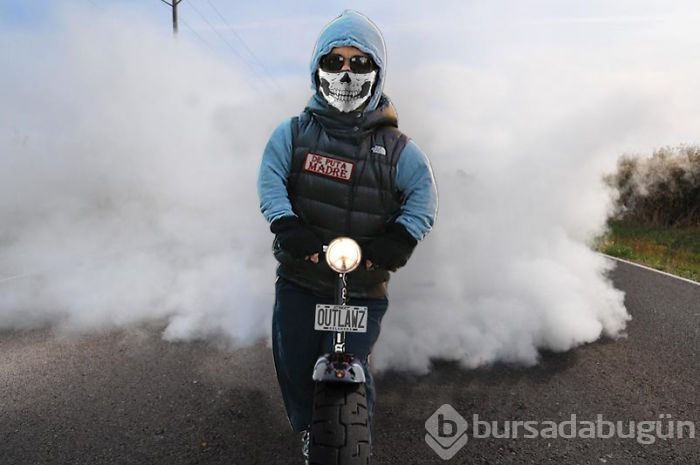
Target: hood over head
[(352, 29)]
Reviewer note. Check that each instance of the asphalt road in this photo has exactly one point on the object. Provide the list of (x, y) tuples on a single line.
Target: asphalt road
[(130, 398)]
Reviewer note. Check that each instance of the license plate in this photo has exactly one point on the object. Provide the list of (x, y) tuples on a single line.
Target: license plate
[(341, 318)]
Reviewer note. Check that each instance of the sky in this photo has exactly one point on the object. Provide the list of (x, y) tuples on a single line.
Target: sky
[(128, 162), (280, 34)]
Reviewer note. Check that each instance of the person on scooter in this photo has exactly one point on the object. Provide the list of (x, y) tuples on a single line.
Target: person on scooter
[(340, 168)]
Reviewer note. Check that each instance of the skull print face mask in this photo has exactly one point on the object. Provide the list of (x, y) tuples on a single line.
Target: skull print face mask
[(346, 91)]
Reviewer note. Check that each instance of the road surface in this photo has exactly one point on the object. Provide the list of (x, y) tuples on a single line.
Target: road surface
[(131, 398)]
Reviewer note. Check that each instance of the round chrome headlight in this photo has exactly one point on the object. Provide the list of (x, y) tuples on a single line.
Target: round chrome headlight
[(343, 255)]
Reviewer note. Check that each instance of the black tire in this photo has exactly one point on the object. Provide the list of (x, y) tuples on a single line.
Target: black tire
[(340, 425)]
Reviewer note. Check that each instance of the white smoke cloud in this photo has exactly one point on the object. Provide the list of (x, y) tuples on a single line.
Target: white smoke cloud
[(127, 193), (520, 145)]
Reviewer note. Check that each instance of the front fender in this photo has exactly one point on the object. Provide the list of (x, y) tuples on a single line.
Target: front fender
[(338, 368)]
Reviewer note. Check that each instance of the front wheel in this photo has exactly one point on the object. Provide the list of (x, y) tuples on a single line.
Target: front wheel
[(340, 425)]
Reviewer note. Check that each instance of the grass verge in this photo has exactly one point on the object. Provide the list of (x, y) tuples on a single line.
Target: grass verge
[(673, 250)]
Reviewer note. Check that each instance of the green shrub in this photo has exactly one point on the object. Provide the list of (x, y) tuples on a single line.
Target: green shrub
[(661, 190), (619, 250)]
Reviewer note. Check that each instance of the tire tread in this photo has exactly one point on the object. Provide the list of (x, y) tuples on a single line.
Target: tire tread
[(340, 425)]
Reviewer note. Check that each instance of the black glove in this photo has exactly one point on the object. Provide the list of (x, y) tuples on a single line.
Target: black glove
[(392, 249), (295, 238)]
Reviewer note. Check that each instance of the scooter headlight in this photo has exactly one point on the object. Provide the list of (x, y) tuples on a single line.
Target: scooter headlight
[(343, 255)]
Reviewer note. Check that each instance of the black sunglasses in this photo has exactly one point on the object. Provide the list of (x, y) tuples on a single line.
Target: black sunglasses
[(333, 63)]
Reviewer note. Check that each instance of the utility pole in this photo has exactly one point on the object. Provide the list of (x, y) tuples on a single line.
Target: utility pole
[(173, 4)]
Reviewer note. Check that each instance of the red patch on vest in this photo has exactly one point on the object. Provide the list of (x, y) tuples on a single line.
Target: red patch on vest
[(327, 166)]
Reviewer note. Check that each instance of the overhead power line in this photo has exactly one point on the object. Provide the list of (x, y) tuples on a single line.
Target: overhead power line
[(198, 35), (240, 39), (264, 78), (216, 31), (261, 74)]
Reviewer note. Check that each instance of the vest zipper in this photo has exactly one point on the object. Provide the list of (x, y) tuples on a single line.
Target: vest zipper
[(361, 156)]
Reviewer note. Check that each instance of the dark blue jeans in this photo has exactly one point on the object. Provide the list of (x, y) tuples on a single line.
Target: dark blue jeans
[(296, 346)]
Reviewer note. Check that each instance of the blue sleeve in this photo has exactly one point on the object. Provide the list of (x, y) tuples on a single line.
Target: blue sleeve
[(414, 178), (273, 174)]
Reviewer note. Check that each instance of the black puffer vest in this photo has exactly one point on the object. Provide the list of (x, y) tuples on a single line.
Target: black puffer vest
[(342, 182)]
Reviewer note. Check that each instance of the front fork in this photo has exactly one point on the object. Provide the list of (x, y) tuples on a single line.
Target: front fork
[(339, 366)]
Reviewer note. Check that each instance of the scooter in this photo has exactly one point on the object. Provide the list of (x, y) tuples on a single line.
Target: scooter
[(340, 430)]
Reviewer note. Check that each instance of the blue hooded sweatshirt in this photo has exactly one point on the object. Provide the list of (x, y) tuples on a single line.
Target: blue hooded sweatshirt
[(414, 176)]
